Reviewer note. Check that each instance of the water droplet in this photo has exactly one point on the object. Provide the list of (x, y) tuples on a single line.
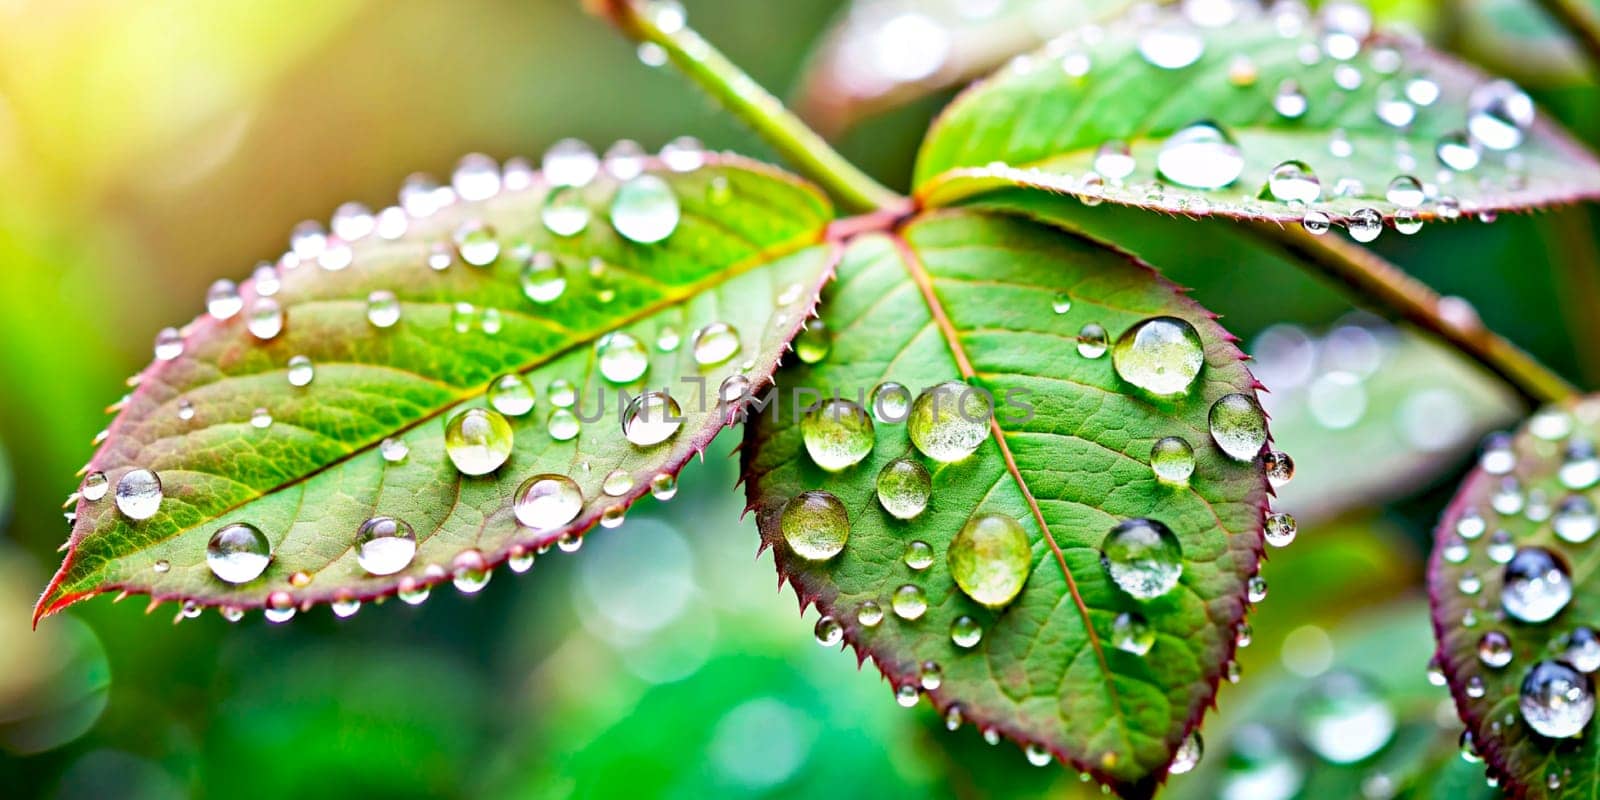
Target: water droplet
[(1132, 634), (1580, 466), (1316, 223), (1344, 718), (383, 309), (564, 212), (890, 401), (569, 162), (1498, 114), (1494, 649), (511, 395), (1188, 755), (1238, 426), (828, 631), (1092, 340), (1556, 700), (1469, 583), (261, 419), (1407, 221), (904, 487), (1293, 182), (645, 210), (1038, 755), (837, 434), (569, 542), (715, 343), (476, 177), (651, 418), (169, 344), (412, 592), (265, 321), (1143, 557), (1172, 460), (1061, 303), (1162, 355), (683, 154), (1347, 77), (907, 696), (1475, 688), (1583, 649), (1364, 224), (1457, 152), (870, 614), (394, 450), (622, 358), (301, 371), (94, 486), (185, 410), (664, 487), (990, 559), (947, 422), (953, 718), (1171, 47), (1278, 466), (547, 502), (814, 343), (815, 525), (308, 239), (223, 301), (734, 389), (1200, 156), (1256, 589), (469, 572), (385, 545), (476, 242), (1113, 160), (1280, 530), (966, 632), (1508, 497), (280, 608), (931, 676), (478, 441), (909, 602), (1536, 585), (238, 553), (1289, 102), (1500, 548), (1405, 191), (138, 494), (1575, 519)]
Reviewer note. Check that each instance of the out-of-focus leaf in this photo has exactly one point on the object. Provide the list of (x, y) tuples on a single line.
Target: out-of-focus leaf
[(1382, 738), (1518, 38), (1374, 411), (234, 438), (54, 684), (974, 296), (7, 488), (1161, 113), (1512, 575), (882, 53)]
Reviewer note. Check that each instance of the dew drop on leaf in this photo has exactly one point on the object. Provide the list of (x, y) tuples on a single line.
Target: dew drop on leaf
[(1038, 755), (138, 494), (1114, 161), (469, 572), (1278, 466), (1143, 557), (1575, 519), (890, 402), (569, 162), (990, 559), (815, 525), (903, 488), (412, 592), (966, 632), (1289, 102), (651, 418), (547, 502), (394, 450), (564, 212), (814, 343), (1494, 649), (1498, 113), (520, 559), (1582, 649), (1130, 633), (477, 243), (478, 441), (1238, 426), (828, 631), (645, 210), (1457, 152), (1316, 222), (1580, 465), (1537, 585), (1171, 47), (476, 177), (1293, 182), (265, 320), (223, 301), (1200, 156), (622, 358), (1092, 340), (1500, 548), (1256, 589), (1556, 700), (664, 487), (1188, 755), (1280, 530), (383, 309), (1405, 191), (837, 434), (385, 545), (1364, 224), (280, 607), (238, 553), (1162, 355), (301, 371), (907, 696), (715, 343), (94, 486), (947, 422), (511, 395), (869, 614), (909, 602)]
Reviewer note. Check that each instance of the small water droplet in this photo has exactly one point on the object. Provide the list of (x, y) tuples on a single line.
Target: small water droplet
[(1500, 549), (1498, 114), (383, 309), (385, 545), (1364, 224), (909, 602), (265, 320), (1200, 156), (1576, 520), (280, 607), (1171, 47), (1494, 649), (547, 502), (828, 631), (394, 450), (138, 494), (1143, 557), (837, 434), (238, 553), (565, 213), (870, 614), (645, 210), (1172, 460), (966, 632), (1582, 649), (569, 162), (95, 486), (478, 441), (1038, 755), (223, 301), (907, 696), (469, 572), (261, 419), (1580, 466), (476, 242), (1280, 530), (1130, 633), (1289, 102), (1113, 160), (715, 343), (1188, 755), (664, 487), (814, 343), (931, 676), (815, 525), (511, 395), (1256, 589), (651, 418), (1344, 718), (412, 592), (1316, 223), (622, 358), (904, 487), (301, 371), (1537, 585), (476, 177), (1238, 426), (1293, 182), (169, 344), (890, 401), (1457, 152), (1092, 340)]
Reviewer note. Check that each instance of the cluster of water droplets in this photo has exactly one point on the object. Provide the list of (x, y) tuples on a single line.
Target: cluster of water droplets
[(1206, 167)]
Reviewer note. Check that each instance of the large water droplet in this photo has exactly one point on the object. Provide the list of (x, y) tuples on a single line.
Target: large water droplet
[(478, 441), (1556, 700), (138, 494), (1130, 633), (651, 418), (947, 422), (990, 559), (1238, 426), (1200, 156), (815, 525), (1161, 355), (1364, 224), (904, 487), (238, 553), (622, 358), (1143, 557), (1294, 182), (715, 343), (547, 502), (645, 210), (1344, 718), (837, 434), (1498, 114), (385, 545), (1537, 585)]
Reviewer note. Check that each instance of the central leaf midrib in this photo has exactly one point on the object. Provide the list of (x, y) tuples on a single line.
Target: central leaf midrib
[(924, 282), (762, 257)]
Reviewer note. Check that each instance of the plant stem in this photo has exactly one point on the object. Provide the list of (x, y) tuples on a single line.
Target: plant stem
[(723, 80), (1385, 284), (1581, 24)]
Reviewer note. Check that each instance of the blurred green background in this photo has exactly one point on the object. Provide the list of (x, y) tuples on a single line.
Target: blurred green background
[(148, 147)]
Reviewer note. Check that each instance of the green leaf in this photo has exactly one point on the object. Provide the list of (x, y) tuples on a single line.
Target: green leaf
[(1037, 123), (880, 54), (970, 296), (748, 251), (1504, 520)]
